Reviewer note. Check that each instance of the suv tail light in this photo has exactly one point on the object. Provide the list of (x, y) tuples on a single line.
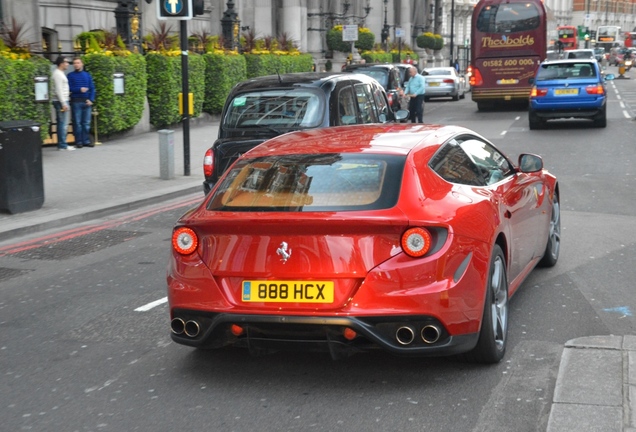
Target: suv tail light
[(208, 163), (595, 89), (538, 92)]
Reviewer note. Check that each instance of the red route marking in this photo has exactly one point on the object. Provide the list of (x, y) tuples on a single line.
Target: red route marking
[(78, 232)]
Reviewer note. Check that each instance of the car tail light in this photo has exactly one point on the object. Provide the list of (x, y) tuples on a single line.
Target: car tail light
[(538, 92), (595, 89), (208, 163), (390, 98), (416, 242), (476, 78), (449, 81), (184, 241)]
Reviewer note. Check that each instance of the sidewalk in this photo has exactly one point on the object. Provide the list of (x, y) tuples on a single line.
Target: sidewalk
[(596, 386), (117, 175)]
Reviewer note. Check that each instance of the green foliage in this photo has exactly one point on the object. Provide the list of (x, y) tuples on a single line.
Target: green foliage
[(377, 57), (439, 42), (117, 112), (164, 86), (18, 87), (85, 39), (425, 40), (365, 41), (222, 72), (271, 64)]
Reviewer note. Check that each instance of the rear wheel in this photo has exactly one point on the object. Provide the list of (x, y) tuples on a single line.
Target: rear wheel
[(551, 254), (534, 121), (601, 119), (493, 335)]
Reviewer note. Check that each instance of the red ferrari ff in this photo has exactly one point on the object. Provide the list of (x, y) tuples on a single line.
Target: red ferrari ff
[(409, 238)]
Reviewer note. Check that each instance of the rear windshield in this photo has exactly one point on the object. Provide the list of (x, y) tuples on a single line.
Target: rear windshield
[(286, 108), (566, 71), (508, 18), (439, 72), (380, 75), (310, 182)]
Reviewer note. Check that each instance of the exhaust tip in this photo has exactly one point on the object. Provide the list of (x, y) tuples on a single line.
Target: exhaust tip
[(177, 325), (405, 335), (191, 328), (430, 334)]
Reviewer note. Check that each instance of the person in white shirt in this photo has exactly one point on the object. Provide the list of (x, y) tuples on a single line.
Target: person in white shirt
[(61, 97)]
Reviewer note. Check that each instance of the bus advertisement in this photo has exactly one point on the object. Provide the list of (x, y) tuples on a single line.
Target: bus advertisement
[(568, 37), (509, 40), (608, 36)]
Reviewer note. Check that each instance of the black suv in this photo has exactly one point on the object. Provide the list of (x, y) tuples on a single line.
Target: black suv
[(262, 108), (388, 75)]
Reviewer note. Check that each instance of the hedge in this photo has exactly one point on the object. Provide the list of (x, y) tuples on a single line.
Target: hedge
[(222, 72), (117, 112), (164, 86), (17, 86), (271, 64)]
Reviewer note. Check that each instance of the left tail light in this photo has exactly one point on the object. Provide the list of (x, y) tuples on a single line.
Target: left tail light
[(208, 163), (538, 92), (416, 242), (184, 240)]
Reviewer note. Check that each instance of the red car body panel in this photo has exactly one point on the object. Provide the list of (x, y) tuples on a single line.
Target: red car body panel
[(360, 251)]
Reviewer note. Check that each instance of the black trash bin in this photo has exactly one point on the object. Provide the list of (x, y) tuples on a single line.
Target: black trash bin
[(21, 178)]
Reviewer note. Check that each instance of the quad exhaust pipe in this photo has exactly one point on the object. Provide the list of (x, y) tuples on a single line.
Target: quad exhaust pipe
[(190, 328), (405, 335)]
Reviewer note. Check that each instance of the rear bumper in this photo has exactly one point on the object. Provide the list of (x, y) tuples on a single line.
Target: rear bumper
[(555, 111), (262, 333)]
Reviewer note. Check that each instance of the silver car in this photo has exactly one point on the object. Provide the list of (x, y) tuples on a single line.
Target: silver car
[(444, 82)]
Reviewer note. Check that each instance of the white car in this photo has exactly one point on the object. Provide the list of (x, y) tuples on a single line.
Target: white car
[(444, 82)]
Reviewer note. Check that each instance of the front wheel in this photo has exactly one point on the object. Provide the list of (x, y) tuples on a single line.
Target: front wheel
[(551, 254), (493, 335)]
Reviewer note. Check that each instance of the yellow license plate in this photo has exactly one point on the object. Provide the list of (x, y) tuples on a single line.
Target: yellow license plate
[(288, 291), (433, 84), (560, 92)]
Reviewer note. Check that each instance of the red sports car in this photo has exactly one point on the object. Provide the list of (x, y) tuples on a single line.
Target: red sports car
[(409, 238)]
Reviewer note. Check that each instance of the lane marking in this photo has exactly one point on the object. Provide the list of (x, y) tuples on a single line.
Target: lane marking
[(622, 104), (503, 133), (147, 307), (626, 114)]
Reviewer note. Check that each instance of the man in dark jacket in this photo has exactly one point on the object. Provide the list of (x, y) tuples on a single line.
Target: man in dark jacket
[(82, 90)]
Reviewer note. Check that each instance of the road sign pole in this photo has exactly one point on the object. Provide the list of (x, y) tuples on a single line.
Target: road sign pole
[(186, 97)]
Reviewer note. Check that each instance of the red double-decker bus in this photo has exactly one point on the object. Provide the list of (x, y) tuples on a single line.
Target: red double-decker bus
[(509, 40), (568, 37)]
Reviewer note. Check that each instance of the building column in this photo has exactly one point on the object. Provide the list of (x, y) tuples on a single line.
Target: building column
[(263, 18), (294, 22)]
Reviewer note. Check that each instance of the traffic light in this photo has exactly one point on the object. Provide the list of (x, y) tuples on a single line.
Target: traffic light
[(179, 9)]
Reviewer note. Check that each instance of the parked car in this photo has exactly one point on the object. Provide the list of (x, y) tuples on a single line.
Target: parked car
[(403, 68), (352, 238), (568, 89), (445, 82), (579, 54), (388, 75), (264, 107)]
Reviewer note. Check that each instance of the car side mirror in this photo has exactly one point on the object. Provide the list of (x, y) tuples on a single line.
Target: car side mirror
[(531, 81), (609, 77), (530, 163), (401, 114)]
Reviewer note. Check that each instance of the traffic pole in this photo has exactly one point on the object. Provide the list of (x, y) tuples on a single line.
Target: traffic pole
[(185, 99)]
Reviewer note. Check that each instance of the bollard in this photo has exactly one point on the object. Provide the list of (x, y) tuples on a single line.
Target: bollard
[(166, 154)]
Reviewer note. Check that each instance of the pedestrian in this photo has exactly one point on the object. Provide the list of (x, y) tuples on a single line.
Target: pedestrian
[(414, 89), (61, 99), (82, 98), (409, 60)]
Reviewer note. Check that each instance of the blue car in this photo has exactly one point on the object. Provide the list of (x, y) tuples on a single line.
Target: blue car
[(568, 89)]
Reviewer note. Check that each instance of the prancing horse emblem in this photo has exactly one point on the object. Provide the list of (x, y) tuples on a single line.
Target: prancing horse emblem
[(283, 252)]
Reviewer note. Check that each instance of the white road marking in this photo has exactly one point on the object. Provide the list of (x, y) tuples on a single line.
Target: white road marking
[(151, 305), (626, 114), (503, 133)]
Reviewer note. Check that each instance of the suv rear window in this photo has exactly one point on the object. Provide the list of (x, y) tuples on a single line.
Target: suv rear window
[(287, 108), (565, 71), (310, 182)]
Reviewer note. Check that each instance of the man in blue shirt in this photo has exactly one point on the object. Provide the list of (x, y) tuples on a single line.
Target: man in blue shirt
[(82, 90), (415, 88)]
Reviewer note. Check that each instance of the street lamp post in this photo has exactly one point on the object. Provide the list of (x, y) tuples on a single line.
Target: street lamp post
[(452, 33), (385, 28)]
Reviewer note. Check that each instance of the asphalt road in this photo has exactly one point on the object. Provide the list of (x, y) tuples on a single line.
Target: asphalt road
[(84, 334)]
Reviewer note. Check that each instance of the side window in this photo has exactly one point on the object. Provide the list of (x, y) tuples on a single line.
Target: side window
[(347, 112), (381, 103), (365, 103), (470, 161)]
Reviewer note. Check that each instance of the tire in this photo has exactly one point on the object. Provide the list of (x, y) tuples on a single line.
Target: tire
[(600, 120), (552, 248), (456, 97), (534, 121), (493, 335)]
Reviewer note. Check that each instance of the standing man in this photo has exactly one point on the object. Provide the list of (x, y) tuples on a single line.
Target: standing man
[(60, 98), (82, 98), (415, 88)]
